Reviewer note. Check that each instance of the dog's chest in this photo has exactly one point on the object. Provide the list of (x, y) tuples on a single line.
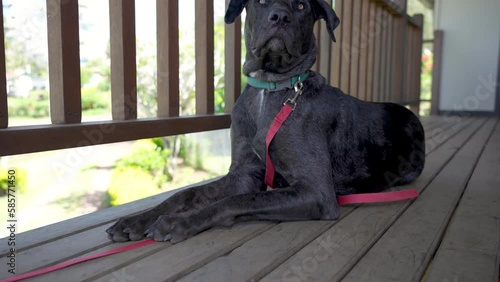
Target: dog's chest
[(265, 107)]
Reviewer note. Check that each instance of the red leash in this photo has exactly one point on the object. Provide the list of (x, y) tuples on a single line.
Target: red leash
[(342, 200), (285, 112), (77, 261)]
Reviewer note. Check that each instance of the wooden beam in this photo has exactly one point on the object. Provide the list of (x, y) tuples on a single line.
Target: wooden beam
[(388, 62), (398, 63), (123, 59), (356, 47), (372, 33), (29, 139), (345, 70), (364, 45), (324, 47), (64, 61), (417, 57), (336, 61), (436, 72), (4, 109), (167, 25), (232, 69), (378, 55), (204, 49)]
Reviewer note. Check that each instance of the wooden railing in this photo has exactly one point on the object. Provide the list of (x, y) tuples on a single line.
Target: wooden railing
[(376, 58)]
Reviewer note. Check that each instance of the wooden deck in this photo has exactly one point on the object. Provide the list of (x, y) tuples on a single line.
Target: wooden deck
[(450, 233)]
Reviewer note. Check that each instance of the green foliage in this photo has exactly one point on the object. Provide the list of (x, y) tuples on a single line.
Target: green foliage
[(28, 107), (149, 156), (130, 184), (20, 181), (93, 98)]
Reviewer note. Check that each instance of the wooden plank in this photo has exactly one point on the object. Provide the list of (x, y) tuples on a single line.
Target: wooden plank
[(91, 270), (417, 57), (377, 55), (383, 57), (324, 51), (470, 247), (204, 49), (167, 25), (30, 139), (123, 59), (58, 251), (405, 250), (232, 78), (437, 70), (263, 253), (370, 76), (398, 59), (332, 254), (365, 42), (347, 33), (389, 58), (56, 231), (356, 48), (336, 61), (408, 64), (64, 62), (4, 109), (181, 259)]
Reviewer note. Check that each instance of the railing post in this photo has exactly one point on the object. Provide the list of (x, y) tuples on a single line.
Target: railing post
[(436, 71), (324, 45), (347, 28), (123, 59), (232, 68), (4, 109), (336, 58), (204, 48), (167, 19), (355, 47), (64, 61), (417, 64)]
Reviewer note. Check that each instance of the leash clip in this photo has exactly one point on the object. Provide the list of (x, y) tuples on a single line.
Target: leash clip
[(299, 89)]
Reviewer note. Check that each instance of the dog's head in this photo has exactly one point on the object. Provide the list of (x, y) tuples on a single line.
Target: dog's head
[(279, 35)]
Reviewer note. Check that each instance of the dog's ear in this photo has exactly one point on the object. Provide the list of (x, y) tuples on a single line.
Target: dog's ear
[(323, 10), (234, 10)]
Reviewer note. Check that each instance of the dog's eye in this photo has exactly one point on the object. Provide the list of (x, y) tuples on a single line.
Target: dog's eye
[(301, 6), (262, 2)]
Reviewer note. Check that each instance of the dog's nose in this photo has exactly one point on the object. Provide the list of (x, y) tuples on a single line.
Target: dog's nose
[(279, 16)]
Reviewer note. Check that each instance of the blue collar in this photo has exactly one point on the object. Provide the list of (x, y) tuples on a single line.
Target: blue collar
[(278, 85)]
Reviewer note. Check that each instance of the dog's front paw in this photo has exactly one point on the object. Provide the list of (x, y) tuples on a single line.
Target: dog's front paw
[(173, 228), (131, 228)]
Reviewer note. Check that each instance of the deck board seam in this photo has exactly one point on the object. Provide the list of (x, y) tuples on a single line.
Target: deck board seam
[(439, 237), (344, 272), (265, 271), (221, 253)]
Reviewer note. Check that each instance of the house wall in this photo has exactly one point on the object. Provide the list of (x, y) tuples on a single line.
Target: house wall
[(471, 54)]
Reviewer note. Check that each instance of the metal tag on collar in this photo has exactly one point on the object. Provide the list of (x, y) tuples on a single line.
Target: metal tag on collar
[(299, 89)]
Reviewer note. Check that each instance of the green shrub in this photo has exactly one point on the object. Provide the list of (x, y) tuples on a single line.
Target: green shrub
[(92, 99), (130, 184), (20, 181), (150, 156), (28, 107)]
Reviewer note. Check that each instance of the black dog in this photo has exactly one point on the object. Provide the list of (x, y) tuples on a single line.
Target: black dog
[(332, 144)]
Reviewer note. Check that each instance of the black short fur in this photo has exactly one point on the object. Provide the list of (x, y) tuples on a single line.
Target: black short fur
[(332, 144)]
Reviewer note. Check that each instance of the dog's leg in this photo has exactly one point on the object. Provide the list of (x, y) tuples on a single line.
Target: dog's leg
[(236, 182), (287, 204)]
